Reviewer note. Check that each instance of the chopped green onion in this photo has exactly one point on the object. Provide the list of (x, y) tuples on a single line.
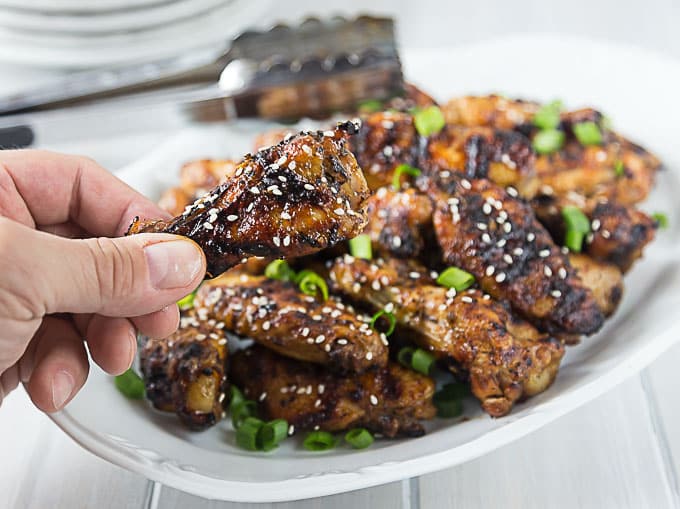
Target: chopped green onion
[(310, 283), (548, 141), (279, 269), (242, 411), (548, 117), (619, 169), (235, 396), (246, 434), (187, 302), (661, 219), (403, 169), (588, 133), (319, 441), (130, 385), (577, 225), (405, 356), (453, 277), (370, 106), (360, 247), (422, 361), (449, 400), (359, 438), (389, 316), (271, 434), (429, 121)]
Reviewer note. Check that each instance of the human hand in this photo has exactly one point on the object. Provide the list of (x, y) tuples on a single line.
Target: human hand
[(63, 282)]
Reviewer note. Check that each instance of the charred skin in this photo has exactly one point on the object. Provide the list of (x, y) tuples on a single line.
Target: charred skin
[(496, 237), (387, 400), (185, 372), (505, 359), (278, 316), (302, 195), (604, 279)]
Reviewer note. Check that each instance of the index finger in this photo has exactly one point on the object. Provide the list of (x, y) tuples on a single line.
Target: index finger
[(61, 188)]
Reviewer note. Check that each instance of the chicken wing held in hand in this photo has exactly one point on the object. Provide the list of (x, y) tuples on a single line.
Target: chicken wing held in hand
[(294, 198), (387, 400)]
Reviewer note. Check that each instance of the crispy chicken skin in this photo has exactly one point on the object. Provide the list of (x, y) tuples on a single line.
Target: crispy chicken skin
[(496, 237), (185, 372), (277, 315), (490, 111), (605, 280), (387, 400), (399, 222), (302, 195), (505, 359)]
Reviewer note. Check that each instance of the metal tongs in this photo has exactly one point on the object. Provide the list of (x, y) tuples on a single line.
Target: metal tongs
[(286, 72)]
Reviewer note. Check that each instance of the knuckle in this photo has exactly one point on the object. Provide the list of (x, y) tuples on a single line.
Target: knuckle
[(113, 267)]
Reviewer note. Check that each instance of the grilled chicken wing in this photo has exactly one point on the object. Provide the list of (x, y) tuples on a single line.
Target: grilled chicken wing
[(185, 372), (505, 359), (605, 280), (277, 315), (496, 237), (490, 111), (295, 198), (387, 400)]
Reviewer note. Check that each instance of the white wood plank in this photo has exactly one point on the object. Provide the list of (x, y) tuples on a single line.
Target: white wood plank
[(601, 455), (387, 496), (42, 467)]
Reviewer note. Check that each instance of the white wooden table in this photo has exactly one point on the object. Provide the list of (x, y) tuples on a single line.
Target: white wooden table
[(621, 450)]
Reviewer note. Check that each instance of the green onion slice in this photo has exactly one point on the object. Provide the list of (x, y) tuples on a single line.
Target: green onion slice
[(235, 396), (360, 246), (390, 316), (240, 412), (428, 121), (319, 441), (279, 269), (271, 434), (548, 141), (310, 283), (577, 225), (661, 219), (422, 361), (246, 434), (359, 438), (405, 356), (453, 277), (588, 133), (619, 169), (548, 117), (403, 169), (187, 302), (370, 106), (130, 385), (449, 400)]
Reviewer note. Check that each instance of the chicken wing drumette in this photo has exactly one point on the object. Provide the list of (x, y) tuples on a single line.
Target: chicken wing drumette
[(504, 358), (185, 373), (387, 400), (496, 237), (294, 198), (277, 315)]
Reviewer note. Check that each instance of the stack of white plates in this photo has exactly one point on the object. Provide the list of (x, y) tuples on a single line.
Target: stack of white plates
[(85, 33)]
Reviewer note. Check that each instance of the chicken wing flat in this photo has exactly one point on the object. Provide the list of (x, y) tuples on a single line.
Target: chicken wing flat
[(185, 372), (496, 237), (294, 198), (388, 139), (505, 359), (277, 315), (387, 400), (605, 280)]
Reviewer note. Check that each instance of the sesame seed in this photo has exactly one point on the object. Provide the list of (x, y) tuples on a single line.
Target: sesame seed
[(263, 396), (544, 253), (486, 208), (317, 403), (388, 151), (467, 299), (283, 390), (250, 207), (500, 277), (309, 187), (286, 240), (266, 325), (374, 399), (341, 341), (369, 356), (595, 225), (396, 241), (207, 226), (606, 234), (277, 241), (507, 258), (328, 134), (481, 226), (254, 190), (375, 285), (384, 280), (562, 272), (306, 149), (530, 237), (547, 271), (518, 251), (320, 339), (285, 215), (451, 293), (466, 184), (232, 217), (281, 160), (414, 275), (556, 293), (486, 238), (507, 227), (441, 307), (339, 211), (389, 307), (501, 243), (512, 191), (490, 270), (292, 165), (222, 396), (291, 430)]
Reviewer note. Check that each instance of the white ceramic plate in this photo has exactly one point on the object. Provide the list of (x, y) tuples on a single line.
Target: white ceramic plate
[(637, 89)]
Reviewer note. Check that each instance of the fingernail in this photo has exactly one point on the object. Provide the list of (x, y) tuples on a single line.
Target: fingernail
[(173, 264), (62, 387), (133, 346)]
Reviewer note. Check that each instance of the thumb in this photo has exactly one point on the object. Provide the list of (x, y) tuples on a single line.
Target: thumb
[(128, 276)]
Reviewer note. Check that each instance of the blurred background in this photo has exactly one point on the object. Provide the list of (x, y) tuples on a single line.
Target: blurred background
[(42, 40)]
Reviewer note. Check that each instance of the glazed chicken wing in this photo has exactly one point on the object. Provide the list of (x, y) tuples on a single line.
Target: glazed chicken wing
[(505, 359), (291, 199), (185, 372), (387, 400), (277, 315), (496, 237), (605, 280)]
